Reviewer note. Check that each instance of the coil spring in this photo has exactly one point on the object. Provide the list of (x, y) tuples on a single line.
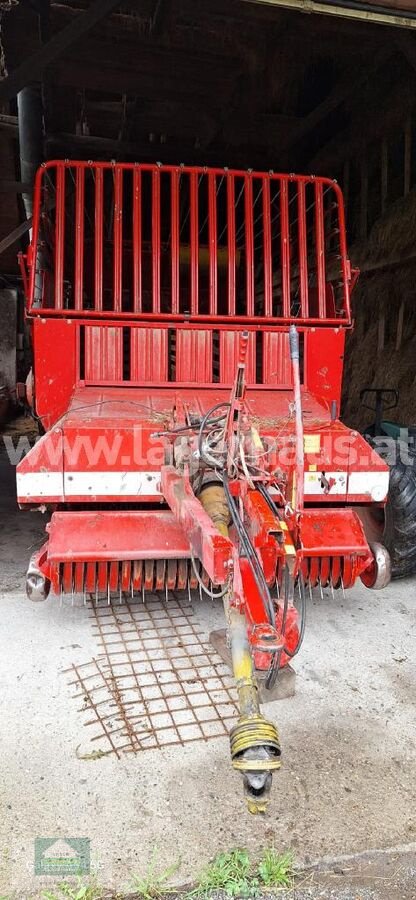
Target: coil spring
[(253, 733)]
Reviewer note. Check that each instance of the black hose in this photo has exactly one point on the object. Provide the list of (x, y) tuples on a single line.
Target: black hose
[(204, 421), (250, 552)]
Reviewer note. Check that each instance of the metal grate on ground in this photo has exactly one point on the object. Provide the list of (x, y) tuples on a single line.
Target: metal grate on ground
[(157, 681)]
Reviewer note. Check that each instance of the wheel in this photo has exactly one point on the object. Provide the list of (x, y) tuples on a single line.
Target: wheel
[(395, 525)]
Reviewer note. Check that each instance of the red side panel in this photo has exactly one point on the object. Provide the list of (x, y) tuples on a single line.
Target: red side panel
[(276, 359), (194, 356), (324, 358), (55, 347), (91, 536), (149, 355), (103, 354), (229, 355)]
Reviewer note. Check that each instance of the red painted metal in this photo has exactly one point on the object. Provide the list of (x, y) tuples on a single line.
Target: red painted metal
[(212, 239), (194, 239), (207, 544), (175, 239), (156, 244), (59, 238), (285, 249), (249, 243), (137, 241), (268, 283), (98, 232), (211, 222), (118, 239), (79, 238), (320, 249), (302, 242), (105, 536), (231, 242), (179, 278)]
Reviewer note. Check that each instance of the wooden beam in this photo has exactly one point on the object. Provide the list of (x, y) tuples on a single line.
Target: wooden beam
[(14, 235), (408, 155), (14, 187), (8, 124), (160, 17), (364, 196), (366, 126), (31, 68), (381, 15), (407, 45), (384, 172), (346, 88), (87, 146)]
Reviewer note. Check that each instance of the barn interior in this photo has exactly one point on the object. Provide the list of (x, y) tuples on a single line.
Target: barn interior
[(304, 86), (246, 85)]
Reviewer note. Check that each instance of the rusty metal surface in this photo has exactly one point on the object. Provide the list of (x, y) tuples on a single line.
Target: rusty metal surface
[(156, 682)]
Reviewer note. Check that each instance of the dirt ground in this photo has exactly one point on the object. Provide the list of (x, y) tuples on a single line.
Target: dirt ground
[(347, 785)]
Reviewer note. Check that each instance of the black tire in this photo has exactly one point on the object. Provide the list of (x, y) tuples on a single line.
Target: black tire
[(397, 526)]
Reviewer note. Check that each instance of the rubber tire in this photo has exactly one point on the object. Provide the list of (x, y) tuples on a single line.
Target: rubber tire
[(399, 532)]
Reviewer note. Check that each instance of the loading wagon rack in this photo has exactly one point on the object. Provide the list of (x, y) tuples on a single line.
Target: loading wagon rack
[(188, 333)]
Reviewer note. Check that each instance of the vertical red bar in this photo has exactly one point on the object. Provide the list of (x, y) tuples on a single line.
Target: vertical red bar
[(174, 239), (137, 241), (345, 265), (194, 240), (320, 248), (303, 251), (231, 243), (285, 247), (267, 248), (156, 240), (79, 237), (118, 238), (212, 240), (98, 228), (35, 296), (248, 215), (59, 236)]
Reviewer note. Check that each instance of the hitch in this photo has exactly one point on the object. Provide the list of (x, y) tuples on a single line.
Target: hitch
[(254, 741)]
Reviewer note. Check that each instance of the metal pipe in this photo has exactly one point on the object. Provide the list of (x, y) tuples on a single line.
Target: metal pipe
[(254, 741), (30, 125), (300, 457)]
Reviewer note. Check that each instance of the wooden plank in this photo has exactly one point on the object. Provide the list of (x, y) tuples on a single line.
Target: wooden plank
[(345, 88), (14, 235), (384, 173), (407, 155), (14, 187), (364, 196), (8, 124), (31, 68)]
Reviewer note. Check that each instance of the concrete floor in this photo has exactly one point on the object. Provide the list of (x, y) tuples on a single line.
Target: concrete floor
[(348, 736)]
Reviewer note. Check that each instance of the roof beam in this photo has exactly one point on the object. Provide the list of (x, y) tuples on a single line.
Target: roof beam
[(14, 235), (337, 96), (8, 124), (348, 9), (31, 68), (14, 187), (407, 45)]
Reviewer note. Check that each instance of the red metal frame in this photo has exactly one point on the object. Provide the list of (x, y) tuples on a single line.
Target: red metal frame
[(160, 328), (211, 207)]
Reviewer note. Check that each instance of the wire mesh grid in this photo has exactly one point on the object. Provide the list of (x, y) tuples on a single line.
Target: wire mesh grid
[(157, 681)]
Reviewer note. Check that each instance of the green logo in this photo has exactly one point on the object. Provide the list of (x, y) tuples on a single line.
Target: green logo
[(62, 856)]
